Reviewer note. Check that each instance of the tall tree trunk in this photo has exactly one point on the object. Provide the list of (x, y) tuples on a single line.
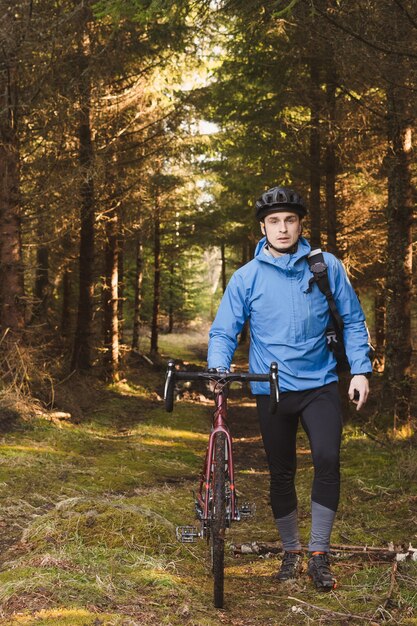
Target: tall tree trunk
[(330, 159), (171, 297), (138, 290), (399, 254), (244, 334), (157, 280), (244, 258), (223, 258), (12, 302), (121, 287), (41, 283), (66, 287), (111, 296), (379, 314), (82, 352), (66, 299), (315, 234)]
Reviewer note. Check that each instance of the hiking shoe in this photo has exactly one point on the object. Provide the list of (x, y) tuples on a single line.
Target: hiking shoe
[(319, 571), (291, 566)]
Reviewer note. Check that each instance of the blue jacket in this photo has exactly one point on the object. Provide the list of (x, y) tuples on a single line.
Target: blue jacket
[(288, 321)]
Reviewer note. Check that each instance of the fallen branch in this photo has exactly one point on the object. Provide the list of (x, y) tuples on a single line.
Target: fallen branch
[(376, 439), (274, 547), (142, 356)]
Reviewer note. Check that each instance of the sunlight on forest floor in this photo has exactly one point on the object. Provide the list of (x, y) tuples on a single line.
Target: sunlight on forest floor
[(89, 510), (187, 345)]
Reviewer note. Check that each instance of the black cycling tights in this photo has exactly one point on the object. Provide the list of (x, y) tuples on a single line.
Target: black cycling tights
[(319, 410)]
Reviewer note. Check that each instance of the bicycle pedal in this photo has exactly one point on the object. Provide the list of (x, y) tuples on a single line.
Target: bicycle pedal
[(247, 510), (187, 534)]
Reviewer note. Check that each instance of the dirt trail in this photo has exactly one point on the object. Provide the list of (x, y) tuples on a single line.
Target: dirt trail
[(89, 510)]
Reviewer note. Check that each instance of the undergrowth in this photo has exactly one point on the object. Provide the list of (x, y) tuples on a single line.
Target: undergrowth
[(88, 515)]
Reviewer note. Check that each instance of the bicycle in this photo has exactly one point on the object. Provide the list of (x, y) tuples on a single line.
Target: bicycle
[(216, 502)]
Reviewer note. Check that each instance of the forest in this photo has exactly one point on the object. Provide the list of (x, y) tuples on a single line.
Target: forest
[(135, 138)]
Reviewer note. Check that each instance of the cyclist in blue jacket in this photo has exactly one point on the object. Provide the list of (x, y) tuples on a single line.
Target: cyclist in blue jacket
[(288, 322)]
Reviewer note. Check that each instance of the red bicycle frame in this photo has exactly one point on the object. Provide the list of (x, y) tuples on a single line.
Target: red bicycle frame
[(203, 496)]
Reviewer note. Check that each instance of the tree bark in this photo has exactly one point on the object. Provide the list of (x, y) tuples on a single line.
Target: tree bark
[(157, 279), (111, 296), (138, 290), (121, 283), (41, 283), (315, 213), (12, 292), (82, 352), (223, 258), (66, 287), (330, 158), (399, 256), (66, 298), (244, 334), (379, 313), (171, 298)]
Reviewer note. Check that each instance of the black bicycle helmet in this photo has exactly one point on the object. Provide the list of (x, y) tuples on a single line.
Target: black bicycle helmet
[(279, 199)]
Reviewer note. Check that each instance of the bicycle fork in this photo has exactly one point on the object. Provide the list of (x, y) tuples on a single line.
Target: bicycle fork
[(203, 501)]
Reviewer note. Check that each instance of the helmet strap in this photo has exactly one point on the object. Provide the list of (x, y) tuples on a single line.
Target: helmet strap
[(291, 250)]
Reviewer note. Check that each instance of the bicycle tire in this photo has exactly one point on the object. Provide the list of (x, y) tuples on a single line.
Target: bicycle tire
[(218, 522)]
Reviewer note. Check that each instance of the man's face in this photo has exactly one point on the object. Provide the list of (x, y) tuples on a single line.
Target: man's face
[(282, 229)]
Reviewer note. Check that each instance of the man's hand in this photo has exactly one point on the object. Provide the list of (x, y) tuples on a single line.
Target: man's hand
[(360, 384), (217, 370)]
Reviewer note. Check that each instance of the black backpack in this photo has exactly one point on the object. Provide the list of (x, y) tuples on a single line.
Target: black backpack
[(334, 332)]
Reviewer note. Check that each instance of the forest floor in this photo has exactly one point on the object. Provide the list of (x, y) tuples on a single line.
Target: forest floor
[(89, 510)]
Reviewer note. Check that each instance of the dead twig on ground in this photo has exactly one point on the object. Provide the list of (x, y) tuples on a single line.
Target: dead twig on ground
[(393, 581), (332, 613), (376, 439)]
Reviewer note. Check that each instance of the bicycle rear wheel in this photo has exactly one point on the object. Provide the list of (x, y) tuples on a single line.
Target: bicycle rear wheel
[(218, 520)]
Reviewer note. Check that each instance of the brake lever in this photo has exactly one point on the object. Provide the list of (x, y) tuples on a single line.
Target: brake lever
[(274, 379), (273, 388)]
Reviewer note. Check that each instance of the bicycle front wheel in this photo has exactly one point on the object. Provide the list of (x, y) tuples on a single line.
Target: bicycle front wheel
[(218, 520)]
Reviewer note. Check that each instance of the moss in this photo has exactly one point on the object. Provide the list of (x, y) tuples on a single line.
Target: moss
[(155, 578), (65, 617), (99, 522), (99, 502), (52, 582)]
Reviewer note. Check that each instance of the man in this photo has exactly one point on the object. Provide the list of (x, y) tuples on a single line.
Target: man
[(288, 319)]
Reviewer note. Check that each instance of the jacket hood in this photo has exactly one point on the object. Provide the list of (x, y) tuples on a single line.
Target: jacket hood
[(286, 260)]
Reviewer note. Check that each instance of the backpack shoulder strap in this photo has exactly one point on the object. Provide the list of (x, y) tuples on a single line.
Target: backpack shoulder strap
[(318, 268)]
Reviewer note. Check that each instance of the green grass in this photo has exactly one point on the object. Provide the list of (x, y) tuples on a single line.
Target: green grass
[(185, 346), (88, 514)]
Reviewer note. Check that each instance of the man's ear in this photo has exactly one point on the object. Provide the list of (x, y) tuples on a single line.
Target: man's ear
[(262, 227)]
